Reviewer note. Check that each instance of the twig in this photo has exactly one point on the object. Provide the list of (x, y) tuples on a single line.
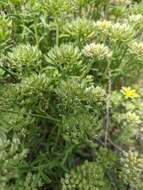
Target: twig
[(116, 146)]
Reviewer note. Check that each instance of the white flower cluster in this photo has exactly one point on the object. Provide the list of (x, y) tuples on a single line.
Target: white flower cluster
[(136, 48), (135, 18), (97, 93), (103, 25), (99, 51), (121, 32)]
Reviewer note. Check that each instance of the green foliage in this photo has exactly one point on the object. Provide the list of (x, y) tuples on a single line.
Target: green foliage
[(86, 176), (24, 59), (79, 30), (6, 28), (12, 156), (66, 58), (71, 108), (131, 171), (57, 8)]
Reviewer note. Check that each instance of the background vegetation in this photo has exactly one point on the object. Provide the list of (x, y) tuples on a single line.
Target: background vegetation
[(71, 111)]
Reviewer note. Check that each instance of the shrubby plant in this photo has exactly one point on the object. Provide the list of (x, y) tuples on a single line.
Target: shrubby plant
[(71, 109)]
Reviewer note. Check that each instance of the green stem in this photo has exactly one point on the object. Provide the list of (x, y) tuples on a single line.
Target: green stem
[(107, 115), (67, 153), (57, 34), (107, 69), (36, 35)]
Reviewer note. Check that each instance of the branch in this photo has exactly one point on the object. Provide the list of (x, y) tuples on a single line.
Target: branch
[(116, 146)]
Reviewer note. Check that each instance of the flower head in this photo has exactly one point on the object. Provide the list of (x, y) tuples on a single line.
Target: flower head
[(136, 48), (100, 51), (135, 18), (128, 92), (103, 25), (97, 92), (121, 32)]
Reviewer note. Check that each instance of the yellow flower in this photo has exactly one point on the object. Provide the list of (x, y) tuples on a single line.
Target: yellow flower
[(128, 92)]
